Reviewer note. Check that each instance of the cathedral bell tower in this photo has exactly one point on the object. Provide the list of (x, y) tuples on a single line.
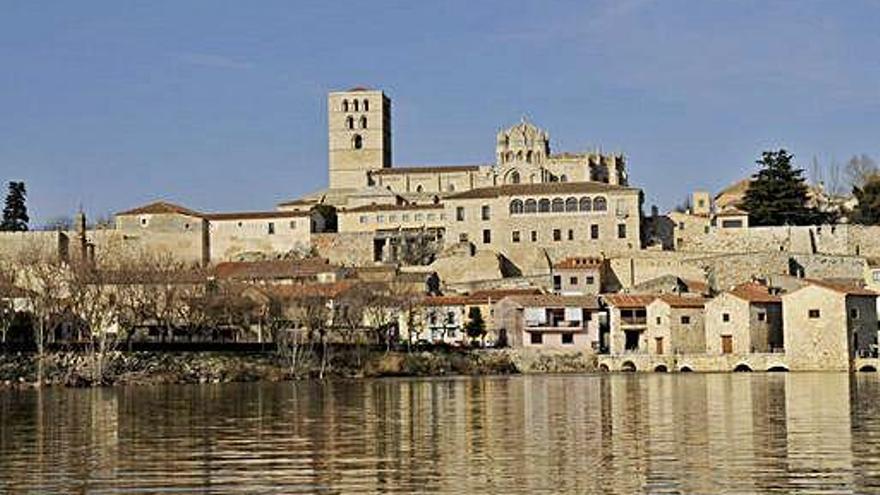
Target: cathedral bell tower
[(359, 132)]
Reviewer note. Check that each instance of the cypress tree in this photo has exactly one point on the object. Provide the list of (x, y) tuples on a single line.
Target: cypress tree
[(778, 193), (15, 216)]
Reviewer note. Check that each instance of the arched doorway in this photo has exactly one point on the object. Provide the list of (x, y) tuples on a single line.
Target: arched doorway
[(628, 366)]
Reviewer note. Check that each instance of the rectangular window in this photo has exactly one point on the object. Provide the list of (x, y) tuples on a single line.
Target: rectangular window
[(534, 236), (876, 276), (621, 231), (706, 229), (405, 217), (363, 219), (731, 224), (685, 320), (762, 316), (557, 235), (485, 212), (680, 225), (487, 236), (514, 236), (590, 280), (573, 280), (814, 313), (293, 224), (725, 317), (659, 320), (854, 313), (380, 218), (430, 217), (594, 231), (459, 213), (557, 282), (271, 228), (419, 217), (570, 234), (392, 218), (463, 237), (568, 338), (536, 338)]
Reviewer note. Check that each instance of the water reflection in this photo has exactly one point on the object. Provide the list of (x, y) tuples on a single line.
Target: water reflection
[(691, 433)]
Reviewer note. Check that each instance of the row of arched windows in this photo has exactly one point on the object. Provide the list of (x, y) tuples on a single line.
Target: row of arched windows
[(349, 122), (528, 156), (558, 205), (355, 106)]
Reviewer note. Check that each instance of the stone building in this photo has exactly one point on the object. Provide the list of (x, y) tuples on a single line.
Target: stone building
[(551, 321), (744, 319), (826, 325), (214, 237), (627, 322), (676, 325), (577, 276)]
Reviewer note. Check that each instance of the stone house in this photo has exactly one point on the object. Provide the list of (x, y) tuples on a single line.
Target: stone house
[(550, 321), (270, 272), (627, 323), (676, 325), (215, 237), (744, 319), (577, 276), (826, 325)]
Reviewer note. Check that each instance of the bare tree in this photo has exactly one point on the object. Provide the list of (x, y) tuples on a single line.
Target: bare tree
[(859, 169), (8, 292), (312, 311)]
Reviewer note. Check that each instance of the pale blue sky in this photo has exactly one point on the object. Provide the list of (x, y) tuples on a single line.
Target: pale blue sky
[(220, 105)]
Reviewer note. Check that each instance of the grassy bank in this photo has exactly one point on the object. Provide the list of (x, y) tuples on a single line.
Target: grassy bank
[(78, 369)]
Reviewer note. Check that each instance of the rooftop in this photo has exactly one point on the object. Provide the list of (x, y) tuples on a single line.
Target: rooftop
[(553, 300), (579, 262), (427, 169), (545, 188), (274, 269), (629, 300), (755, 292)]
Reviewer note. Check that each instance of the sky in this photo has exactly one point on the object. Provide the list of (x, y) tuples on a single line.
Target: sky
[(220, 105)]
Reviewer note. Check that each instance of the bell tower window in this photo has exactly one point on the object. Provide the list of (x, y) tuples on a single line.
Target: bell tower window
[(357, 142), (363, 122), (344, 105), (349, 122)]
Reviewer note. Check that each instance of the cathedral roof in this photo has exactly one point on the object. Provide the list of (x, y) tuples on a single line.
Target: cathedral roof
[(525, 129), (427, 170), (159, 208)]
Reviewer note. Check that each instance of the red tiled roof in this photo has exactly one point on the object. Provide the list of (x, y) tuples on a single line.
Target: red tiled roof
[(591, 302), (754, 292), (255, 215), (387, 207), (682, 301), (629, 300), (497, 294), (427, 170), (273, 269), (696, 286), (297, 291), (161, 208), (849, 290), (579, 262), (478, 297), (545, 188)]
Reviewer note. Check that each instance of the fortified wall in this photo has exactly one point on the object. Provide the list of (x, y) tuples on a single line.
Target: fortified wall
[(844, 240)]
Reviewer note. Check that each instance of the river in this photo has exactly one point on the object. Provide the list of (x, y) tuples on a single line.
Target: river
[(615, 434)]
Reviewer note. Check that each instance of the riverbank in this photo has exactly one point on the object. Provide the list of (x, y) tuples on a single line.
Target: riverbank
[(76, 369)]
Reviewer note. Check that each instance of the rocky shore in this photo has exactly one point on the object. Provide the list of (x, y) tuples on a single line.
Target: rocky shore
[(75, 369)]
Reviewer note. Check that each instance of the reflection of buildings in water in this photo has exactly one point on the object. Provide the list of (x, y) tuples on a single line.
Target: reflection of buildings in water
[(818, 426)]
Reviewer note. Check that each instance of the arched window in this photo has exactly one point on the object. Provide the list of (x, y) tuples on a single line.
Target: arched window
[(509, 156), (558, 205), (450, 187), (531, 206), (349, 122), (563, 178), (366, 105), (600, 204), (544, 205), (513, 178), (519, 155), (586, 204), (571, 204), (516, 206), (354, 104), (344, 105), (357, 142), (419, 188), (529, 156), (363, 122)]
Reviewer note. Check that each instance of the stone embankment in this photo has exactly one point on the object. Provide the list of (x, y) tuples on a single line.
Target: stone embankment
[(144, 368)]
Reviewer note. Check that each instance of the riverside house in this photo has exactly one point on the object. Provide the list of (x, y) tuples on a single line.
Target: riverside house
[(744, 319), (628, 320), (676, 325), (551, 321)]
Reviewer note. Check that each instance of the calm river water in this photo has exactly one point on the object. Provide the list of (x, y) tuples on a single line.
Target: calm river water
[(677, 433)]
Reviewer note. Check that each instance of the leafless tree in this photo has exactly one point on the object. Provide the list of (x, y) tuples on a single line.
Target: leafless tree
[(312, 311), (859, 169)]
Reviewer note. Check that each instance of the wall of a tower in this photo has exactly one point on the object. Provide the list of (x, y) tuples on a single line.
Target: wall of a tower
[(359, 135)]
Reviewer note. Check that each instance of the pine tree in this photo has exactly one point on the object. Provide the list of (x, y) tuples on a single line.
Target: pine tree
[(868, 210), (15, 216), (778, 193)]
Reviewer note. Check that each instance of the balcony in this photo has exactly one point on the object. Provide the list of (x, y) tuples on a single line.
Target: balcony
[(555, 326)]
